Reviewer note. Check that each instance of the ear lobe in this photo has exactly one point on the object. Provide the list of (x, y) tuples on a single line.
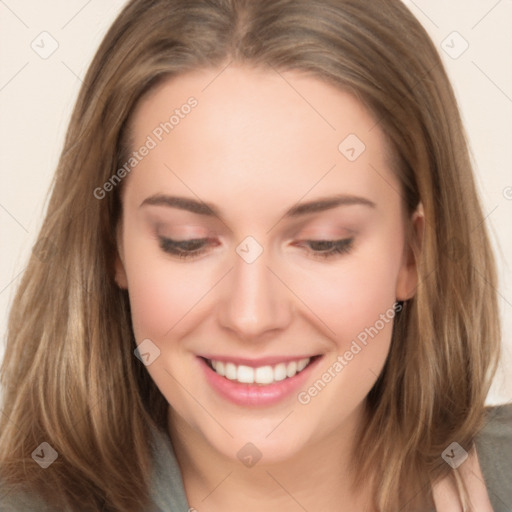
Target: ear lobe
[(408, 275)]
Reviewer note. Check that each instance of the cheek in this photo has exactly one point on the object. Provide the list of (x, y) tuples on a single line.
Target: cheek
[(352, 297), (159, 294), (153, 308), (356, 304)]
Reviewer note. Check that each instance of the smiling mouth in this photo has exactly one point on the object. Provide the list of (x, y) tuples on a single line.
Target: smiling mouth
[(262, 375)]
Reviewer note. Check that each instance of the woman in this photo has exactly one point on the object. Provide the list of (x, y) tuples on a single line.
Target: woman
[(263, 279)]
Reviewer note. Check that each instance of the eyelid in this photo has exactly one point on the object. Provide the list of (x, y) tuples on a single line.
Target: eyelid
[(179, 231)]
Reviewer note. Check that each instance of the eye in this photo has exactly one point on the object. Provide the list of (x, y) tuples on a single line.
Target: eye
[(328, 248), (196, 246), (184, 248)]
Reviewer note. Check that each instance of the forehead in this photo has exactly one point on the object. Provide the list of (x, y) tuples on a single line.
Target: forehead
[(253, 130)]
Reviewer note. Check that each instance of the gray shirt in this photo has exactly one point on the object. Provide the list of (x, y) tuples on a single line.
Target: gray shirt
[(494, 448)]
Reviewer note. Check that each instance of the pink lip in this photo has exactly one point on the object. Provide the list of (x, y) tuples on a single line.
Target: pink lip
[(255, 363), (256, 394)]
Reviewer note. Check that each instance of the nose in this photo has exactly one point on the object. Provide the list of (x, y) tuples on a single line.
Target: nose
[(255, 302)]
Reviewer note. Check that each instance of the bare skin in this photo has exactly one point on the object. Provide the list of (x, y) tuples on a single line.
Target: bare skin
[(254, 147), (445, 495)]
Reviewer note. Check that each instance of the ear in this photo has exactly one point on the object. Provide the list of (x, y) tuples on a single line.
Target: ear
[(408, 275), (119, 266)]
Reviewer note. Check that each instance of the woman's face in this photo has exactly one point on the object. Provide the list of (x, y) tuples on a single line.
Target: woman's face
[(262, 226)]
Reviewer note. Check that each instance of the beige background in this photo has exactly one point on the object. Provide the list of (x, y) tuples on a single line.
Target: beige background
[(37, 94)]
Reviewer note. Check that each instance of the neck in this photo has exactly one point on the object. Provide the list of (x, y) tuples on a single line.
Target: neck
[(317, 477)]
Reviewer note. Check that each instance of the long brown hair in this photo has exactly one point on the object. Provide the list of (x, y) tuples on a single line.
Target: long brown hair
[(69, 375)]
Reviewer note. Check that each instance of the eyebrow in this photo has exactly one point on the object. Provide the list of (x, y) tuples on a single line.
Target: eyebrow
[(208, 209)]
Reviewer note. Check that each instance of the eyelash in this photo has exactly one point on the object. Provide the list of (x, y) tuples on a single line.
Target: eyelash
[(335, 247), (175, 247), (179, 248)]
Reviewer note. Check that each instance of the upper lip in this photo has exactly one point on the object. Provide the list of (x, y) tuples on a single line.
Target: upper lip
[(255, 363)]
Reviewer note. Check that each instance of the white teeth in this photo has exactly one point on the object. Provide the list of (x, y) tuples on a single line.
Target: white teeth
[(230, 370), (280, 372), (264, 375), (245, 374), (261, 375), (291, 369), (302, 364), (219, 368)]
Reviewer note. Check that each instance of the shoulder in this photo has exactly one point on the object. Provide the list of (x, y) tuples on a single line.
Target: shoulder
[(167, 490), (494, 448), (12, 499)]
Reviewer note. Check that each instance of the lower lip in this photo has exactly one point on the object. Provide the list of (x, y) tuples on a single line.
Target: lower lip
[(256, 394)]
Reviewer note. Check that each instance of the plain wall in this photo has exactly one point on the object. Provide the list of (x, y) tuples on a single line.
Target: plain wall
[(38, 90)]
